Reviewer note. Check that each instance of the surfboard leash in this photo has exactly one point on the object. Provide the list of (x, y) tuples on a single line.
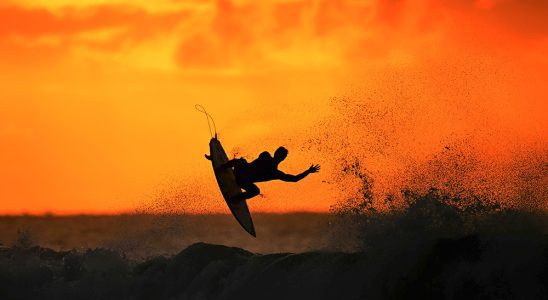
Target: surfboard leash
[(201, 109)]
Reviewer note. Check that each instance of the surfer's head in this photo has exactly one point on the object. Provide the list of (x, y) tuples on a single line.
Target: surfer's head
[(280, 154)]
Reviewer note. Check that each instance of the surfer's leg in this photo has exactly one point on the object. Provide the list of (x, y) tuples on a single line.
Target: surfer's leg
[(250, 191)]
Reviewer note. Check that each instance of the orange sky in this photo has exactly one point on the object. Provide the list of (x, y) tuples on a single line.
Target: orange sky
[(97, 97)]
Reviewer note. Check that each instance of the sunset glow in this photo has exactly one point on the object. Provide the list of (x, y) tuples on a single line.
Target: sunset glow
[(97, 97)]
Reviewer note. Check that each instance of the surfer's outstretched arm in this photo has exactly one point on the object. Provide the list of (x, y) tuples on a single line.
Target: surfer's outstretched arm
[(294, 178)]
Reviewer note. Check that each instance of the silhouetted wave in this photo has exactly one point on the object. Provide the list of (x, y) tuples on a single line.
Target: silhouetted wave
[(462, 268)]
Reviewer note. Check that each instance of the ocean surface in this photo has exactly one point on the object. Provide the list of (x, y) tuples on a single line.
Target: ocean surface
[(141, 236), (430, 250)]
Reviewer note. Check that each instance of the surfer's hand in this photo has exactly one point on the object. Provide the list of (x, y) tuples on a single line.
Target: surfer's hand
[(314, 169)]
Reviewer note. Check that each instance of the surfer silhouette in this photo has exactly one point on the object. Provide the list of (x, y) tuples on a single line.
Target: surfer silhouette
[(264, 168)]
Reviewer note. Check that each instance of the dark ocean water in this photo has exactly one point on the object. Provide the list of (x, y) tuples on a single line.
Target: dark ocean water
[(140, 236), (300, 257), (466, 268), (431, 249)]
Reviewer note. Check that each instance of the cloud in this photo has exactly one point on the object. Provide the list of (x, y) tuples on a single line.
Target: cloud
[(266, 35), (524, 17), (41, 34), (335, 33)]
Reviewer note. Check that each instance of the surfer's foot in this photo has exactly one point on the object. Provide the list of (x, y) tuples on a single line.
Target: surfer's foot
[(208, 157)]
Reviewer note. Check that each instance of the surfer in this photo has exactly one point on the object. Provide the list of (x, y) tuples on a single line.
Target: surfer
[(264, 168)]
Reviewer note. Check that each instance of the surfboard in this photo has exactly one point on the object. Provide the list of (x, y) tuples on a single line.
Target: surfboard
[(228, 186)]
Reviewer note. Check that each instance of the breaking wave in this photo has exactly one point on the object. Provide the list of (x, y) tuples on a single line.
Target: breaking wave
[(469, 266)]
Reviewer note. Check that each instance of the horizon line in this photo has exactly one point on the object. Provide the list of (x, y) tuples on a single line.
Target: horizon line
[(107, 214)]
